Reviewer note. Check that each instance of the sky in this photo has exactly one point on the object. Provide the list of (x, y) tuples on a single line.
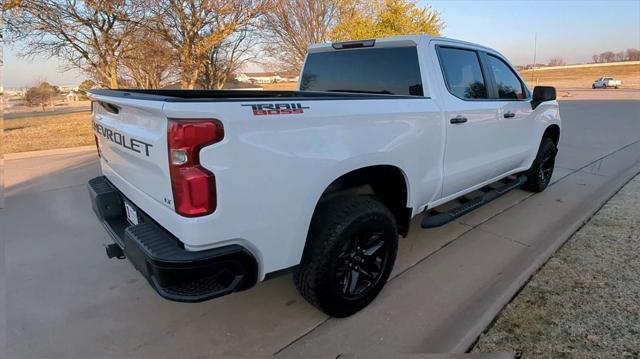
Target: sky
[(573, 30)]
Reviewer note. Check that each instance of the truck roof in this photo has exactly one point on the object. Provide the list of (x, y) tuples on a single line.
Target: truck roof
[(402, 40)]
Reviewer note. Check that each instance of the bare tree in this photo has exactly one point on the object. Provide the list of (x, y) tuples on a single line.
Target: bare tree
[(557, 61), (150, 62), (607, 56), (194, 27), (620, 56), (292, 25), (633, 55), (91, 35), (596, 58), (227, 58), (8, 8)]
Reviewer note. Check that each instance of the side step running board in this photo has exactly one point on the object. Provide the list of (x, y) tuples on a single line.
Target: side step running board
[(435, 218)]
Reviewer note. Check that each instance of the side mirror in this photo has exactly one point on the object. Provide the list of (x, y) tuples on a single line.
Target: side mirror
[(542, 94)]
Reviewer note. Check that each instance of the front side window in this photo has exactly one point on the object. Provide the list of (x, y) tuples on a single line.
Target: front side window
[(463, 73), (508, 84), (392, 71)]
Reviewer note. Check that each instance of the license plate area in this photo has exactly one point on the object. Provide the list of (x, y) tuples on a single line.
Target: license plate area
[(132, 214)]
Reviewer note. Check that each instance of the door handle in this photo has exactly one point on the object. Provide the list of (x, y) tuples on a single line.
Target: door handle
[(509, 114), (458, 120)]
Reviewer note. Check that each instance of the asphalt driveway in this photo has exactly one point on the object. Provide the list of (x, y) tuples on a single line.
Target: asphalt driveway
[(64, 298)]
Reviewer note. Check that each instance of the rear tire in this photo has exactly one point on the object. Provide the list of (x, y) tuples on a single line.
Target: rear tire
[(349, 255), (541, 171)]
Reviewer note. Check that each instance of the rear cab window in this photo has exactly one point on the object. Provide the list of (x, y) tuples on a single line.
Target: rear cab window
[(387, 70)]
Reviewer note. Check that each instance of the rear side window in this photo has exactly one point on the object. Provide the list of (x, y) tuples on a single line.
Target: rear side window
[(393, 71), (508, 84), (463, 73)]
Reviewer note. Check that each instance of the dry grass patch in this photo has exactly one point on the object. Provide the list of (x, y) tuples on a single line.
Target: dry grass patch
[(583, 77), (281, 86), (48, 132), (584, 301)]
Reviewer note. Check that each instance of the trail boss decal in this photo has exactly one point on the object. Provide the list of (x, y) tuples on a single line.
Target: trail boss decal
[(262, 109), (122, 139)]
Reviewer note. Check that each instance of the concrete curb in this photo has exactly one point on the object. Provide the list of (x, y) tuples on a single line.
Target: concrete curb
[(58, 151)]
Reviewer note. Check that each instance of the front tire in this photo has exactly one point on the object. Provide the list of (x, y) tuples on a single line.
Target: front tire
[(350, 252), (541, 171)]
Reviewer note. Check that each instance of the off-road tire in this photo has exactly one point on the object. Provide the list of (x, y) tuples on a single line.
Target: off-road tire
[(336, 223), (539, 175)]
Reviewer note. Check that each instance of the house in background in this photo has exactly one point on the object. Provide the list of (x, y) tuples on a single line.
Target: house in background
[(72, 96), (68, 88), (267, 77)]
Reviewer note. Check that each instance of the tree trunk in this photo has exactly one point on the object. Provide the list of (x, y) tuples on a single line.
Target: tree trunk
[(113, 77), (189, 77), (184, 82), (113, 82)]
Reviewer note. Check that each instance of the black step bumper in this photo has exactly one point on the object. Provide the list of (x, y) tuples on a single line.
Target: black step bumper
[(175, 273)]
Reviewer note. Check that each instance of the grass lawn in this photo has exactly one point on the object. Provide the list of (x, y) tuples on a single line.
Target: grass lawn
[(280, 86), (48, 132), (583, 303), (583, 77)]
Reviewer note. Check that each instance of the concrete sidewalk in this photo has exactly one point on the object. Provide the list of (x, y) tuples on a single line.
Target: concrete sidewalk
[(66, 299)]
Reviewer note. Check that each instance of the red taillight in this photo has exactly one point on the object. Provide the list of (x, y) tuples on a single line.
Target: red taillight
[(194, 187), (95, 137)]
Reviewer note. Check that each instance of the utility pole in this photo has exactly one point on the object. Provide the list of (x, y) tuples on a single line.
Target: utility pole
[(535, 47)]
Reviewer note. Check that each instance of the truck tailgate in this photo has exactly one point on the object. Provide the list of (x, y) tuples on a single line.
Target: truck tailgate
[(132, 140)]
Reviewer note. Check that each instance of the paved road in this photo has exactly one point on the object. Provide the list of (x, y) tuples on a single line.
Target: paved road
[(14, 115), (598, 94), (66, 299)]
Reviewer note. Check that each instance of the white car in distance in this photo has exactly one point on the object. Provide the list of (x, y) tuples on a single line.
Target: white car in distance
[(606, 82)]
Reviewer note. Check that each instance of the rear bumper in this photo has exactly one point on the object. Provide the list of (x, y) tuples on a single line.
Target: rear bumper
[(175, 273)]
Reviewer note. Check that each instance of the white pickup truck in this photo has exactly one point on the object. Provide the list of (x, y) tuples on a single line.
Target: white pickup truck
[(605, 82), (209, 192)]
